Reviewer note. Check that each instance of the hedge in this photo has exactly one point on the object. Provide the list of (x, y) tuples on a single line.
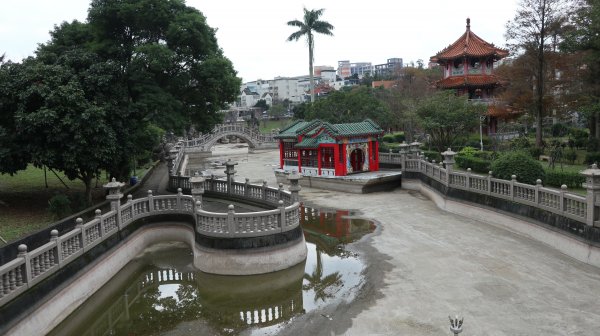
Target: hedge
[(555, 178), (433, 155), (477, 165), (592, 157)]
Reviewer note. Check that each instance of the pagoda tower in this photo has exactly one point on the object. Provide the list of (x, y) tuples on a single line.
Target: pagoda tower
[(468, 67)]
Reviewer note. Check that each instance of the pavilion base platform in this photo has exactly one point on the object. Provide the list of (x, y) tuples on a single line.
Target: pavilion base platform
[(359, 183)]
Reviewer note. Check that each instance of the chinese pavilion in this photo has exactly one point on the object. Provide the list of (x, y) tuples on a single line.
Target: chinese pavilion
[(318, 148), (468, 66)]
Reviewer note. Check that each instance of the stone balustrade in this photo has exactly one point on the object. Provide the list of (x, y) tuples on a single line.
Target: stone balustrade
[(558, 201), (31, 267), (250, 134)]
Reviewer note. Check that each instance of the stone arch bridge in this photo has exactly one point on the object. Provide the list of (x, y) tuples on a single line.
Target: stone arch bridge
[(252, 136)]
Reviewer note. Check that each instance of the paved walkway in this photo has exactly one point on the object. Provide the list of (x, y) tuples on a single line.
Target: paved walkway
[(425, 264)]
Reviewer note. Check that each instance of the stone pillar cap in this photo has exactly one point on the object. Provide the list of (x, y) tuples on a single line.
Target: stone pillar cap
[(113, 184), (449, 152), (591, 171)]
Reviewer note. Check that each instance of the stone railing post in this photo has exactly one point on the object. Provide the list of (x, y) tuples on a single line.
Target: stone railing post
[(489, 182), (592, 186), (247, 188), (281, 206), (197, 183), (294, 188), (468, 182), (172, 156), (264, 190), (390, 155), (513, 179), (23, 254), (538, 185), (230, 171), (179, 202), (414, 149), (54, 239), (280, 191), (114, 196), (150, 201), (230, 220), (563, 190), (449, 160), (403, 155)]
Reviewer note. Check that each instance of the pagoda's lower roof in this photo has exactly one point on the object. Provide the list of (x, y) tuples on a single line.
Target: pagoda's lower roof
[(468, 80)]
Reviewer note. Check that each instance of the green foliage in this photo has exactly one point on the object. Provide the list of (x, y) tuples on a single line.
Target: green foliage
[(433, 155), (262, 104), (535, 152), (555, 178), (559, 130), (570, 156), (388, 138), (446, 117), (468, 151), (579, 136), (520, 143), (520, 164), (353, 106), (592, 157), (59, 206), (399, 137), (476, 164)]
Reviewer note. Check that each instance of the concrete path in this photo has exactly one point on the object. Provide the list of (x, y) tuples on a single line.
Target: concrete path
[(424, 264), (158, 181)]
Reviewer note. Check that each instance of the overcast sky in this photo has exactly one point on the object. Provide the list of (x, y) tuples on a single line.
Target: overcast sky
[(253, 34)]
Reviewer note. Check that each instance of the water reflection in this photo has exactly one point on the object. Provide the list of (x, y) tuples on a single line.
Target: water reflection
[(160, 293)]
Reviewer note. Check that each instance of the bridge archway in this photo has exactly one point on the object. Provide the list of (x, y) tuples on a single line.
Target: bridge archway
[(215, 138)]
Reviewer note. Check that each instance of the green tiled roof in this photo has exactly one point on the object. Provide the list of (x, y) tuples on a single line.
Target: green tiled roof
[(310, 128), (297, 128), (313, 142)]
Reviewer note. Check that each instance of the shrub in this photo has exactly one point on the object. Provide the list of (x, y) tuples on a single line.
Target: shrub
[(520, 143), (486, 155), (59, 206), (570, 156), (388, 138), (399, 137), (580, 137), (473, 141), (476, 164), (468, 151), (593, 145), (559, 130), (518, 163), (555, 178), (592, 157), (433, 155), (535, 152)]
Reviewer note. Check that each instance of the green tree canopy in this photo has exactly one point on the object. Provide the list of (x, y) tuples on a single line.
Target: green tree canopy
[(445, 117), (350, 106)]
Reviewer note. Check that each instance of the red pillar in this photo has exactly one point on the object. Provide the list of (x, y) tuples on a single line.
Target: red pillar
[(319, 160), (299, 160), (281, 154), (376, 155)]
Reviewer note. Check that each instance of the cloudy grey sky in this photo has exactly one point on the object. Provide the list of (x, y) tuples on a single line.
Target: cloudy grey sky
[(253, 33)]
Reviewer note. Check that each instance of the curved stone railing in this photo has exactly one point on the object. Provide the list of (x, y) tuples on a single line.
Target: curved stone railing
[(252, 134), (583, 209), (220, 188), (31, 267)]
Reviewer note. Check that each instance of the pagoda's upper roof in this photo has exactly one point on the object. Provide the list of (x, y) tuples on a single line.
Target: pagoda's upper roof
[(468, 80), (469, 45)]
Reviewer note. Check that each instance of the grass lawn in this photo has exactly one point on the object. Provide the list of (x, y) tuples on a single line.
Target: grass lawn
[(24, 199), (267, 125)]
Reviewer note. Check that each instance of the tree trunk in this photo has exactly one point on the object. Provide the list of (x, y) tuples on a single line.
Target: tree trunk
[(540, 79), (310, 67), (87, 180)]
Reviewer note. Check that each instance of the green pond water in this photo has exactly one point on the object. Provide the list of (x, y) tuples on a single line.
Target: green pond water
[(160, 292)]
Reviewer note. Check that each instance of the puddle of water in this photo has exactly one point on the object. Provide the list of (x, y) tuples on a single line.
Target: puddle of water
[(160, 292)]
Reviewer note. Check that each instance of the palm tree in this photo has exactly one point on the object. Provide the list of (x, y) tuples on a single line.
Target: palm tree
[(308, 27)]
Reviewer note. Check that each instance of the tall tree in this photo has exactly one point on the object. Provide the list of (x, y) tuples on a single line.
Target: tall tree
[(351, 106), (175, 73), (583, 39), (534, 30), (446, 117), (308, 27)]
